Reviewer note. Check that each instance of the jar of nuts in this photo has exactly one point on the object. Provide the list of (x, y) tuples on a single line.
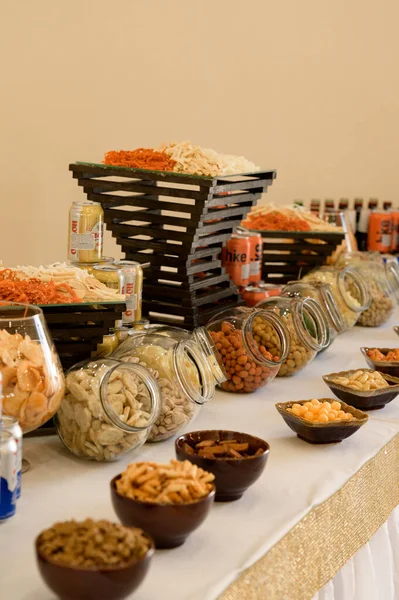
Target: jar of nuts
[(321, 293), (182, 371), (252, 345), (348, 288), (308, 328), (108, 409)]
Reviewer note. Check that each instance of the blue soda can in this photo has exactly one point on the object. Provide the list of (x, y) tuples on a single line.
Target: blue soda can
[(11, 425), (8, 475)]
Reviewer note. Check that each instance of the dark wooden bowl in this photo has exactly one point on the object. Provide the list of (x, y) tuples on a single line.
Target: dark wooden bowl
[(113, 583), (322, 433), (168, 524), (370, 400), (384, 366), (232, 475)]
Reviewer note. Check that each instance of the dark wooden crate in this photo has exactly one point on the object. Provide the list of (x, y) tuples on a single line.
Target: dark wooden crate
[(175, 226), (301, 255)]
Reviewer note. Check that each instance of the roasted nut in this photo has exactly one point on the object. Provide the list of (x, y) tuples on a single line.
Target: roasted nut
[(299, 355), (381, 307)]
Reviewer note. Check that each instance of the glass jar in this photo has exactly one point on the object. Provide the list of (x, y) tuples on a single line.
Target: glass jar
[(321, 293), (33, 381), (108, 409), (252, 345), (374, 275), (307, 326), (183, 374), (348, 288)]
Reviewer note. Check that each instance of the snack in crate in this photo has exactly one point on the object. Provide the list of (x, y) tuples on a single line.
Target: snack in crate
[(272, 218)]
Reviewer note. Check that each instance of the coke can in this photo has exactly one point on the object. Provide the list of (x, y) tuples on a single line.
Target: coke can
[(11, 425), (85, 232), (236, 258), (252, 295), (395, 231), (8, 475), (255, 257), (379, 235), (132, 287)]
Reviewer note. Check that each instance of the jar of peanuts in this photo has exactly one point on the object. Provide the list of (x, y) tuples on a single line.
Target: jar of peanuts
[(108, 409), (348, 288), (308, 328), (252, 345), (321, 293), (182, 371)]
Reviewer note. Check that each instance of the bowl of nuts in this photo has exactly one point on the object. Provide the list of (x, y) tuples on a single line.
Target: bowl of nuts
[(168, 500), (385, 360), (323, 421), (365, 389), (236, 459), (90, 559)]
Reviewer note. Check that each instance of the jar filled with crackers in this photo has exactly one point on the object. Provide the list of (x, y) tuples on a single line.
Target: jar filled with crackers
[(182, 371), (252, 344), (380, 287), (108, 409), (348, 287), (307, 326)]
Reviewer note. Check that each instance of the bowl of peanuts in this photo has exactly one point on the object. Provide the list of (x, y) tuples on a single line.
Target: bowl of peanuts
[(385, 360), (236, 459), (87, 560), (169, 501), (323, 421), (365, 389)]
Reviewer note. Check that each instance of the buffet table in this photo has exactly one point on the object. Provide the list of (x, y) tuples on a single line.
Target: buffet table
[(314, 509)]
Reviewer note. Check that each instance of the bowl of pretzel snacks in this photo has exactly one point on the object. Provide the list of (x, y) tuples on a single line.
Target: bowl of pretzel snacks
[(236, 459), (169, 501)]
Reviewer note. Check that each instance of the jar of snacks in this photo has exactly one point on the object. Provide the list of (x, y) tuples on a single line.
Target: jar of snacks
[(307, 326), (252, 345), (321, 293), (348, 288), (374, 275), (33, 382), (183, 374), (108, 409)]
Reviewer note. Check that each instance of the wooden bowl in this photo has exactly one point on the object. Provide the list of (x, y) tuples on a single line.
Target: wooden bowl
[(233, 476), (322, 433), (369, 400)]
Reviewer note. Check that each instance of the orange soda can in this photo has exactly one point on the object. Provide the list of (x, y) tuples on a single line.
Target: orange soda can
[(379, 235), (395, 231), (255, 257), (236, 258), (252, 295)]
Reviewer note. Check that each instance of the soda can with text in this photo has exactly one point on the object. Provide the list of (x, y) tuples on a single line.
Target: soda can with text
[(379, 235), (236, 258), (8, 475), (85, 232), (255, 257), (132, 287)]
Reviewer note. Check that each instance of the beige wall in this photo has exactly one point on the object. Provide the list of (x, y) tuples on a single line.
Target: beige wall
[(310, 88)]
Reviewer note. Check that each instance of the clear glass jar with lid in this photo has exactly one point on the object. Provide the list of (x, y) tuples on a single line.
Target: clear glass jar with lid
[(108, 409), (348, 288), (307, 326), (321, 293), (382, 297), (183, 374), (252, 345)]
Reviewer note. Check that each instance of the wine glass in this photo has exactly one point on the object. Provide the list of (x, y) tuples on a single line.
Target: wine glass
[(343, 219), (33, 381)]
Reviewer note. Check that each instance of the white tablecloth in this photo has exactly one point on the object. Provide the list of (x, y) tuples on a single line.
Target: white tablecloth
[(298, 477)]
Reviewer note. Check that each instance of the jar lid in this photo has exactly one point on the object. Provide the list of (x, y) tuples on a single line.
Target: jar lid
[(350, 277), (193, 372), (214, 359), (310, 323), (256, 319), (331, 306)]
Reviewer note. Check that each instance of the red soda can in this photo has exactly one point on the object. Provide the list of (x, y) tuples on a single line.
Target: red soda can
[(236, 258), (379, 235), (252, 295), (255, 257), (395, 231)]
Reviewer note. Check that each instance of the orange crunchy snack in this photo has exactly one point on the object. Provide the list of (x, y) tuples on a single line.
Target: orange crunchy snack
[(375, 354)]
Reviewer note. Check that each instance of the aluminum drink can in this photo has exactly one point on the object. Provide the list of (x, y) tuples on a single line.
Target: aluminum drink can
[(11, 425), (132, 287), (236, 258), (255, 257), (395, 231), (8, 475), (252, 295), (85, 232), (379, 235), (109, 275)]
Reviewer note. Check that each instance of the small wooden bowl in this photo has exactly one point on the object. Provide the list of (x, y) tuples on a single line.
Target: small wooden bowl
[(233, 476), (168, 524), (322, 433), (370, 400), (113, 583), (384, 366)]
